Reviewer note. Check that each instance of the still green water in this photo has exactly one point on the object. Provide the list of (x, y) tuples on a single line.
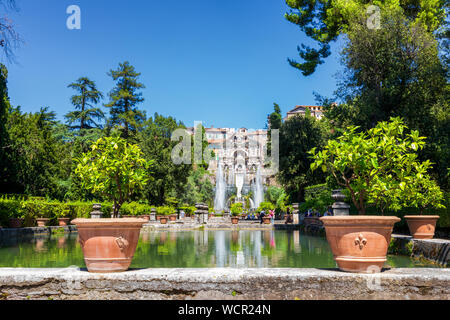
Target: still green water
[(191, 249)]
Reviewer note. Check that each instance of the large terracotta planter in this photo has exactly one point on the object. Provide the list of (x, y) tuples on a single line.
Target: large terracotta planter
[(359, 243), (173, 217), (63, 222), (108, 244), (146, 217), (15, 223), (234, 220), (41, 222), (422, 227), (266, 220), (163, 220)]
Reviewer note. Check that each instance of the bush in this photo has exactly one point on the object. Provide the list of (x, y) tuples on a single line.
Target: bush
[(9, 209), (189, 210), (317, 197), (236, 208), (135, 209), (165, 210), (266, 206)]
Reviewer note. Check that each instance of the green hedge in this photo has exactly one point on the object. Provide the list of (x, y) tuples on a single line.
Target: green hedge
[(32, 208), (135, 209), (165, 210)]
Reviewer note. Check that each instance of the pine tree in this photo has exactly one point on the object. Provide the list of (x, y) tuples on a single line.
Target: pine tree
[(124, 98), (85, 104)]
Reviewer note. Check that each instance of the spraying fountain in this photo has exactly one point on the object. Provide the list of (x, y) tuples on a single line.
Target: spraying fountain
[(258, 189)]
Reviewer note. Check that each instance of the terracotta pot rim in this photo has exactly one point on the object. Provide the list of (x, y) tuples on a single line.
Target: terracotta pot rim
[(43, 219), (422, 217), (359, 221), (365, 218), (109, 222)]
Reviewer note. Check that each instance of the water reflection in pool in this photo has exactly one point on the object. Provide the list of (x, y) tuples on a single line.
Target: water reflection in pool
[(191, 249)]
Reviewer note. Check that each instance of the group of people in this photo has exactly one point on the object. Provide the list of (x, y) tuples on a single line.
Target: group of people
[(312, 213)]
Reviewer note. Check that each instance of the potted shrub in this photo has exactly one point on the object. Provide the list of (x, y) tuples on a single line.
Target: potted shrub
[(422, 192), (115, 169), (267, 207), (38, 210), (236, 209), (63, 216), (359, 161), (165, 213)]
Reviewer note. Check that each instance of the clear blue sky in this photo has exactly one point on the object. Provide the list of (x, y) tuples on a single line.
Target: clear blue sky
[(221, 62)]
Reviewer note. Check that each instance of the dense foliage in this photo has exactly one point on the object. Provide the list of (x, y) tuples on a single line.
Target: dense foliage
[(374, 166), (324, 20), (37, 151), (114, 169), (298, 135)]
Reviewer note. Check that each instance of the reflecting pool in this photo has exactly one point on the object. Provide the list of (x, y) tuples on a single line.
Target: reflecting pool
[(191, 249)]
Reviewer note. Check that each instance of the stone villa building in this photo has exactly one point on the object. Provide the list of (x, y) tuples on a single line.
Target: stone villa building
[(241, 152), (316, 111)]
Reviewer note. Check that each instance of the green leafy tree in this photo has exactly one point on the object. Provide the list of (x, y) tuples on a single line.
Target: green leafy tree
[(200, 153), (367, 163), (278, 197), (298, 135), (390, 74), (157, 146), (419, 190), (236, 209), (198, 188), (35, 151), (86, 114), (124, 99), (114, 169), (324, 20)]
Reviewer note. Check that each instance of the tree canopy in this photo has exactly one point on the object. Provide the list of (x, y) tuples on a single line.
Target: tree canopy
[(324, 20)]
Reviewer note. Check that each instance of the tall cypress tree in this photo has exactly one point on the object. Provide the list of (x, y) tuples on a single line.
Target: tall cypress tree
[(86, 114), (124, 99), (5, 164)]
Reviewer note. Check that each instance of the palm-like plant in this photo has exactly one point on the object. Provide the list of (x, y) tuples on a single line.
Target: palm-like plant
[(86, 114)]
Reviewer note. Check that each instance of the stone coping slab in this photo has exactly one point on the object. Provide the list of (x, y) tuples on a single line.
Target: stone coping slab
[(224, 284)]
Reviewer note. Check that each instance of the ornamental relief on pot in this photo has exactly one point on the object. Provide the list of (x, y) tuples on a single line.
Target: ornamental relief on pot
[(361, 241)]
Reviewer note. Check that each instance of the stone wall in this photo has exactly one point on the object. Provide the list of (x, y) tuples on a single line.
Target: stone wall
[(224, 284), (436, 250)]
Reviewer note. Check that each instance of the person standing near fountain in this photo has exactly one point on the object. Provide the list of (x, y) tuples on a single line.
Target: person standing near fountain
[(262, 215)]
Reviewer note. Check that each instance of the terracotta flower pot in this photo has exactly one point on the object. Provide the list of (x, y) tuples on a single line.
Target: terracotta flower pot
[(173, 217), (266, 220), (422, 227), (234, 220), (41, 222), (63, 222), (158, 217), (108, 244), (15, 223), (163, 220), (145, 217), (359, 243)]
